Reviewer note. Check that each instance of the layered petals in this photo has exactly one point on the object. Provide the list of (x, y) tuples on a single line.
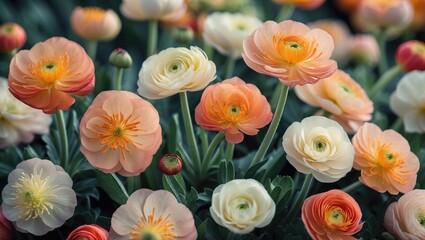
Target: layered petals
[(88, 232), (153, 10)]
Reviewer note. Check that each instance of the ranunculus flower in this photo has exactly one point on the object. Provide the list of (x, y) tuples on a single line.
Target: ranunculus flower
[(331, 215), (38, 197), (233, 107), (408, 101), (389, 13), (290, 51), (120, 132), (89, 232), (319, 146), (418, 21), (385, 160), (152, 215), (411, 55), (342, 97), (348, 6), (12, 36), (242, 205), (6, 228), (303, 4), (153, 10), (94, 23), (364, 49), (406, 218), (226, 31), (47, 76), (18, 121), (175, 70)]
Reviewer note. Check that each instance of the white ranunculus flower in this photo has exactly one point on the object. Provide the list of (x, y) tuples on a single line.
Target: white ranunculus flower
[(319, 146), (18, 121), (226, 31), (408, 101), (153, 10), (242, 205), (175, 70)]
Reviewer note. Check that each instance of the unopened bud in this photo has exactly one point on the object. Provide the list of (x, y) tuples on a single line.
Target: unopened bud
[(411, 55), (170, 164), (12, 36), (120, 58), (183, 35)]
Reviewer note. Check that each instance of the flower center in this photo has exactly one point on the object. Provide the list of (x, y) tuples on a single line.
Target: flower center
[(93, 14), (234, 113), (153, 228), (7, 29), (335, 216), (292, 49), (50, 69), (117, 131), (240, 26), (420, 216), (32, 196), (383, 3), (419, 48), (319, 144)]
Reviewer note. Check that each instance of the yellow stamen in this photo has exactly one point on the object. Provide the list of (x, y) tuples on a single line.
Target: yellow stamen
[(154, 228), (234, 113), (420, 216), (93, 14), (50, 69), (292, 49)]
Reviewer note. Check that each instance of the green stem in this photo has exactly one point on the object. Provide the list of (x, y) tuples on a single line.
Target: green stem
[(118, 181), (118, 78), (63, 149), (397, 124), (208, 50), (352, 186), (206, 161), (92, 49), (152, 37), (285, 12), (230, 65), (189, 132), (273, 127), (308, 181), (385, 79), (275, 96), (133, 183), (381, 36), (229, 151)]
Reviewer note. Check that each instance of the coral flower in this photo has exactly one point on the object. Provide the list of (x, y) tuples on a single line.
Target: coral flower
[(385, 160), (290, 51), (331, 215), (405, 219), (303, 4), (38, 197), (340, 96), (46, 76), (233, 107), (12, 36), (88, 232), (153, 10), (120, 132), (93, 23), (152, 215), (411, 55)]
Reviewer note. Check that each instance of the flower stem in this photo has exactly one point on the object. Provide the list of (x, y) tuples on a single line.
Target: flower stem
[(152, 37), (230, 65), (352, 186), (189, 132), (273, 127), (92, 49), (118, 78), (385, 79), (229, 151), (397, 124), (381, 36), (121, 186), (133, 183), (208, 155), (285, 12), (308, 181), (63, 149), (208, 50)]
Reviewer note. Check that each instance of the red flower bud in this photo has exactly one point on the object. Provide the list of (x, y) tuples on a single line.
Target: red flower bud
[(89, 232), (411, 55), (12, 36), (170, 164)]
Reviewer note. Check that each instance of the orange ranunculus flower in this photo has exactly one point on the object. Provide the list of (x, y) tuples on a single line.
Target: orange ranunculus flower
[(384, 159), (89, 232), (233, 107), (340, 96), (46, 76), (331, 215), (303, 4), (120, 132), (290, 51)]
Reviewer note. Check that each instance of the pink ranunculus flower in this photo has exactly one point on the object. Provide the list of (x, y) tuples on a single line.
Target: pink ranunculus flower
[(405, 219), (153, 10), (364, 49), (120, 132), (12, 37), (47, 76), (342, 97), (154, 214), (385, 160), (89, 232), (290, 51)]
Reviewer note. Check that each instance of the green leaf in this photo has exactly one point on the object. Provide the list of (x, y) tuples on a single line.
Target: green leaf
[(250, 173), (191, 200), (176, 185), (52, 141), (29, 152), (112, 186), (226, 171), (202, 229)]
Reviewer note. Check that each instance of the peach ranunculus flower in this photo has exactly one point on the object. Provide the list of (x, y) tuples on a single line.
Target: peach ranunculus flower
[(331, 215), (290, 51), (152, 215), (386, 13), (175, 70), (47, 76), (120, 132), (408, 101), (320, 146), (364, 49), (94, 23), (342, 97), (303, 4), (89, 232), (233, 107), (405, 219), (153, 10), (385, 160), (19, 122)]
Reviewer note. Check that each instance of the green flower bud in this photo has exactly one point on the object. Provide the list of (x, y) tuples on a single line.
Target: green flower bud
[(183, 35), (120, 58)]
